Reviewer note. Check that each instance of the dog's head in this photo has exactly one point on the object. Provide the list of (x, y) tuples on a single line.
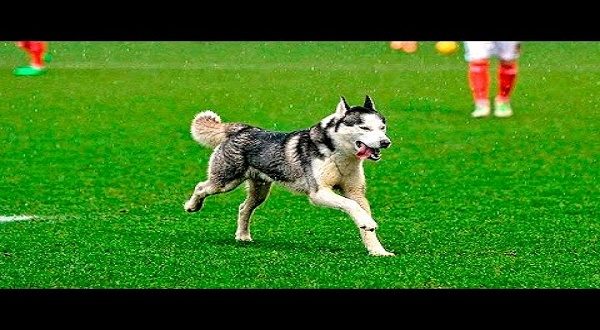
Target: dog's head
[(359, 130)]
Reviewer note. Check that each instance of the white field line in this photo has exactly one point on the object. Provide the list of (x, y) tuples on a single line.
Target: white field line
[(283, 66), (11, 218), (382, 67)]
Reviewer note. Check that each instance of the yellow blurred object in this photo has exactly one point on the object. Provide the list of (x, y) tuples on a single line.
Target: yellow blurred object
[(406, 46), (446, 47)]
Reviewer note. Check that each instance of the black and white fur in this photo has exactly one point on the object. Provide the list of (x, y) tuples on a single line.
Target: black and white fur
[(316, 161)]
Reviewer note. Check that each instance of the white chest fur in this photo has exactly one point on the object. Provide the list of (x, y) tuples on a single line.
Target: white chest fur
[(334, 171)]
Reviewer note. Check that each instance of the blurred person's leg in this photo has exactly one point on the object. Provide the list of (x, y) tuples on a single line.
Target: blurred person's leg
[(508, 52), (477, 54), (36, 51)]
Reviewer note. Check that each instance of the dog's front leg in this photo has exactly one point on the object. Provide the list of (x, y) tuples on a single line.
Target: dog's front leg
[(372, 244), (326, 197), (357, 194), (369, 239)]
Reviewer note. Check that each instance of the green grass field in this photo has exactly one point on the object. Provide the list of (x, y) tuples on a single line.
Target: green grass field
[(99, 150)]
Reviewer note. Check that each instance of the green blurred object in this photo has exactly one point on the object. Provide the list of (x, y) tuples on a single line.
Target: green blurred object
[(48, 57), (28, 71)]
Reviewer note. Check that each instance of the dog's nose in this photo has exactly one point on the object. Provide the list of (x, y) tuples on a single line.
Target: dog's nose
[(385, 143)]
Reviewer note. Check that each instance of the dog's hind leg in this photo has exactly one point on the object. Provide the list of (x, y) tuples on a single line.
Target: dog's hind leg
[(258, 191), (225, 172), (205, 189)]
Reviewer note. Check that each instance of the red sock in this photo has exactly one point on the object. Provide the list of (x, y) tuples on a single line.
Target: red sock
[(36, 50), (507, 75), (479, 80)]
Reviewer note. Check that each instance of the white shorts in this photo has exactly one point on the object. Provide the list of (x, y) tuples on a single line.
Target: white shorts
[(480, 50)]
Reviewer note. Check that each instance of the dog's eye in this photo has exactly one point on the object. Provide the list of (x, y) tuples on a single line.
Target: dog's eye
[(382, 128), (364, 128)]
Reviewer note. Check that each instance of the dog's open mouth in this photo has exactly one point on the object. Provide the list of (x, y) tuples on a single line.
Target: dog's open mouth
[(364, 152)]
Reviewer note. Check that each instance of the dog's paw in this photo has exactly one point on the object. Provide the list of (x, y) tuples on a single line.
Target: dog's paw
[(193, 206), (243, 237), (382, 253)]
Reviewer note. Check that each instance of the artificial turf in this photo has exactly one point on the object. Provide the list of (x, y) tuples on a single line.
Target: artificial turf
[(99, 150)]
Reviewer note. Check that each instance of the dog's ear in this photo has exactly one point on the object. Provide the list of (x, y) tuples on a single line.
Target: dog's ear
[(342, 107), (369, 103)]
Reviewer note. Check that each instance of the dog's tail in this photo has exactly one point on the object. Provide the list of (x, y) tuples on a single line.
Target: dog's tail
[(208, 130)]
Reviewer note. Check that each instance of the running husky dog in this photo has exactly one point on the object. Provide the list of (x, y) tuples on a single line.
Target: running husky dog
[(314, 161)]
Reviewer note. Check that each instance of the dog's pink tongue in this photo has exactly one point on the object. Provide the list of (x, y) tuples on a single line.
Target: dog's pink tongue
[(364, 152)]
